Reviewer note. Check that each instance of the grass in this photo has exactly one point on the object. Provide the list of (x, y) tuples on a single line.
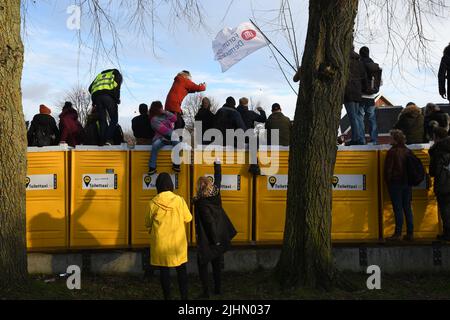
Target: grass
[(258, 285)]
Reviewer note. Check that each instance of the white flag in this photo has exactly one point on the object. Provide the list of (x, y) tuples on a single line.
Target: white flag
[(232, 45)]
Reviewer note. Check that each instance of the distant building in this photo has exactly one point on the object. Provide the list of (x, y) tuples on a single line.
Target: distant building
[(382, 101)]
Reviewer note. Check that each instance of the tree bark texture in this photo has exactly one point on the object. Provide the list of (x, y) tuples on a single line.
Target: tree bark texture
[(13, 262), (306, 257)]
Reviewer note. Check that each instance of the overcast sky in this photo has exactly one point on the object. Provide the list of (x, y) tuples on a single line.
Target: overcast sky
[(55, 62)]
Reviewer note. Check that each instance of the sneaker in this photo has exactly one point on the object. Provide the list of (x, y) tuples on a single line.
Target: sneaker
[(394, 237), (176, 167), (151, 171), (409, 238)]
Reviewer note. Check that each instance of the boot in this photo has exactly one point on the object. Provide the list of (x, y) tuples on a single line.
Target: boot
[(395, 237), (409, 237)]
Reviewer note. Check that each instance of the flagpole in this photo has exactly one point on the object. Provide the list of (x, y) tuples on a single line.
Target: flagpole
[(270, 43)]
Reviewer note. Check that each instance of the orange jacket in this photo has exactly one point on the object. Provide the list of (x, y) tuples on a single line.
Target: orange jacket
[(180, 89)]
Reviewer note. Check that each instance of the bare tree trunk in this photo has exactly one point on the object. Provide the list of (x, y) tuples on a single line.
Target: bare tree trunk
[(306, 258), (13, 261)]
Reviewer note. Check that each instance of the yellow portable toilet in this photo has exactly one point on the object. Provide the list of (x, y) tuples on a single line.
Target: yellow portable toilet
[(47, 198), (424, 204), (355, 194), (271, 194), (236, 189), (143, 188), (99, 197)]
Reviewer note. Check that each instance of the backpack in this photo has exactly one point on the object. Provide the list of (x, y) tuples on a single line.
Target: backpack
[(414, 169), (374, 76)]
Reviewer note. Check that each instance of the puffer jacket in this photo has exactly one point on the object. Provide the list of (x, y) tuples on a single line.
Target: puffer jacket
[(163, 125), (180, 89), (166, 219), (411, 122), (440, 166)]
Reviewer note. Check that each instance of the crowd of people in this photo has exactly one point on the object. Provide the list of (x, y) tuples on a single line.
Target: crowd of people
[(168, 213)]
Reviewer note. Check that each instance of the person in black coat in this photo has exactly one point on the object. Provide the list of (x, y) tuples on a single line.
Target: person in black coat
[(249, 116), (440, 170), (444, 73), (434, 113), (228, 118), (142, 129), (43, 131), (206, 117), (214, 229)]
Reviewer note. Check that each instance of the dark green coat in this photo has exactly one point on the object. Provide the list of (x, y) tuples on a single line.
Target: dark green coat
[(279, 121)]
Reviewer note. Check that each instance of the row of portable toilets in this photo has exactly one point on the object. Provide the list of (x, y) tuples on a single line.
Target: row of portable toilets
[(96, 197)]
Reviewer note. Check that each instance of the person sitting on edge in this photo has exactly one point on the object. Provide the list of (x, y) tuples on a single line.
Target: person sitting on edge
[(278, 121), (410, 122), (181, 87), (43, 131), (434, 113), (249, 116), (228, 118), (142, 129), (163, 125), (206, 117), (70, 128)]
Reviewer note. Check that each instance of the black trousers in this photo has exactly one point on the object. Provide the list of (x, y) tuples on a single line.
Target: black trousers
[(179, 124), (106, 106), (203, 273), (444, 209), (182, 281)]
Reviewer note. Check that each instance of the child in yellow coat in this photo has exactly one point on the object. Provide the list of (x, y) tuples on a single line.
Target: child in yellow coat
[(166, 218)]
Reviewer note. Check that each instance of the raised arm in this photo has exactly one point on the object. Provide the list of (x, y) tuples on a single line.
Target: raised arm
[(217, 174)]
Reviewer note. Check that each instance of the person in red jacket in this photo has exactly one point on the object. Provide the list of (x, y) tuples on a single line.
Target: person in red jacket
[(181, 87), (69, 126)]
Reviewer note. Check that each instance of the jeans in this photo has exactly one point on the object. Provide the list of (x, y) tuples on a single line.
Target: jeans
[(156, 146), (106, 104), (356, 117), (182, 281), (369, 109), (401, 196), (444, 209)]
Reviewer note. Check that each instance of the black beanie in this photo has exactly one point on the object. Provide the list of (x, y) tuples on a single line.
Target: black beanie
[(231, 102), (164, 183)]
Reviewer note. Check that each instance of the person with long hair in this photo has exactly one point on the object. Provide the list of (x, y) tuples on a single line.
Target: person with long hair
[(214, 229), (162, 123)]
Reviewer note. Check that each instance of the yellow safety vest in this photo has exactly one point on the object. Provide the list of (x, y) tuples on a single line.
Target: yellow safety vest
[(104, 81)]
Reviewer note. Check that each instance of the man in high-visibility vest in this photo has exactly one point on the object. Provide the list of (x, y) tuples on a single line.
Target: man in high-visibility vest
[(105, 93)]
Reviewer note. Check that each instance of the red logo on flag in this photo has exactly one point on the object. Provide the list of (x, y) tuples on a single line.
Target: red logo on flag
[(248, 34)]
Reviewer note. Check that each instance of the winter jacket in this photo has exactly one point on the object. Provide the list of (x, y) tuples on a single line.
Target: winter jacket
[(91, 131), (441, 117), (227, 118), (166, 219), (70, 128), (115, 94), (440, 166), (395, 165), (206, 117), (214, 230), (278, 120), (444, 73), (180, 89), (250, 117), (411, 122), (141, 127), (163, 125), (357, 80), (43, 131)]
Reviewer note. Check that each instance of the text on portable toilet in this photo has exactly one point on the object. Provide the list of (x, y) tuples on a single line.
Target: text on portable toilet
[(230, 182), (149, 182), (41, 182), (99, 181)]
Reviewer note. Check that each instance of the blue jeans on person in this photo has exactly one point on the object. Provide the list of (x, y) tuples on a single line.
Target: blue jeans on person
[(369, 109), (356, 117), (401, 196), (158, 145)]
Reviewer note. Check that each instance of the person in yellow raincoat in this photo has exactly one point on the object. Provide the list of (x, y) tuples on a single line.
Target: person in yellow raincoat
[(166, 219)]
